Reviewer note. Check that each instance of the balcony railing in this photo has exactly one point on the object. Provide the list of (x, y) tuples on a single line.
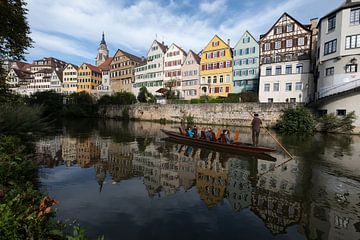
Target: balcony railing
[(343, 87)]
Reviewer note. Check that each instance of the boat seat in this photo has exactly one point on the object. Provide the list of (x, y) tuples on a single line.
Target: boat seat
[(236, 136)]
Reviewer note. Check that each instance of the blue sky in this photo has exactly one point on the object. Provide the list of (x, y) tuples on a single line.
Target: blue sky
[(71, 29)]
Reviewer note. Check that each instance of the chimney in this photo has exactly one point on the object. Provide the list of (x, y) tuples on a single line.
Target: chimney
[(228, 42)]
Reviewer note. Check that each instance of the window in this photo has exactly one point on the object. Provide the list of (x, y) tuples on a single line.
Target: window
[(299, 68), (301, 41), (288, 69), (276, 87), (215, 44), (293, 100), (321, 112), (209, 79), (279, 30), (290, 28), (352, 42), (288, 87), (247, 51), (330, 47), (267, 46), (267, 87), (268, 71), (270, 100), (289, 43), (341, 112), (227, 78), (277, 58), (351, 68), (278, 70), (298, 86), (329, 71), (214, 79), (221, 78), (331, 23), (288, 57), (278, 45), (355, 17)]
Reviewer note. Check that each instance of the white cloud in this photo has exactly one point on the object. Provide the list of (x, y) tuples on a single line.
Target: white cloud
[(133, 26), (212, 6)]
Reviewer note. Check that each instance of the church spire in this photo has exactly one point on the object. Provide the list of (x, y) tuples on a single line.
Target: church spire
[(103, 39)]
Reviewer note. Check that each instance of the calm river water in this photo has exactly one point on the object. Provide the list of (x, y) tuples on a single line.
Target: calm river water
[(124, 181)]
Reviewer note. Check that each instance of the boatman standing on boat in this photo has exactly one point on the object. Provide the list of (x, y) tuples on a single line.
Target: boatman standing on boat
[(256, 124)]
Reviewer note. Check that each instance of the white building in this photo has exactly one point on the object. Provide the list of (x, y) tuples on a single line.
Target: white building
[(173, 61), (286, 73), (190, 84), (105, 87), (338, 60), (56, 81), (151, 75)]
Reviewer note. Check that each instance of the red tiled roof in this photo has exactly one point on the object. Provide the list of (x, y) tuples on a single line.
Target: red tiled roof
[(93, 68), (105, 66)]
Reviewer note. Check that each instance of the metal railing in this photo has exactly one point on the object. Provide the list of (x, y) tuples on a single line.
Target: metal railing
[(343, 87)]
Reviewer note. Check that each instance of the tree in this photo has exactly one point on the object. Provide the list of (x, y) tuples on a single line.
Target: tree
[(51, 101), (170, 93), (144, 96), (14, 31)]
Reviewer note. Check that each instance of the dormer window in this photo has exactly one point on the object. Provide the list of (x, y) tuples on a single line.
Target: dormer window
[(289, 28), (331, 23), (215, 44)]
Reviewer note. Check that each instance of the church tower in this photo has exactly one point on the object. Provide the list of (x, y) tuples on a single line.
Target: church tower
[(103, 52)]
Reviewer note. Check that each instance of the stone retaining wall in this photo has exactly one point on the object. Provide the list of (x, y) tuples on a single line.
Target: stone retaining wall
[(231, 114)]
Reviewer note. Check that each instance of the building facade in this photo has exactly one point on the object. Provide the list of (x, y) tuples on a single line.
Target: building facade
[(103, 52), (216, 68), (122, 73), (105, 87), (338, 61), (246, 64), (173, 61), (286, 73), (190, 83), (89, 78), (69, 85), (56, 80), (151, 75)]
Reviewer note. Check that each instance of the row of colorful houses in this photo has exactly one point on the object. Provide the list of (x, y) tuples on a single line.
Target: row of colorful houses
[(291, 62)]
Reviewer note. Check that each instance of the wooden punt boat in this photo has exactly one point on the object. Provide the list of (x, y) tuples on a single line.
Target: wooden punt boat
[(235, 147)]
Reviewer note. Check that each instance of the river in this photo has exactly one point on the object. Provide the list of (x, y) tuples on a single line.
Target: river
[(124, 181)]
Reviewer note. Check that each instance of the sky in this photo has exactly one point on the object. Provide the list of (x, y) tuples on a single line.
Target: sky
[(71, 29)]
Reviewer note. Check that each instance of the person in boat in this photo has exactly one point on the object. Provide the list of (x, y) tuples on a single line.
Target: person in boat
[(195, 132), (203, 135), (189, 133), (256, 125), (208, 134), (227, 136)]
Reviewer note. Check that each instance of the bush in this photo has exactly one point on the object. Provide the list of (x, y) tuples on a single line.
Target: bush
[(232, 98), (144, 96), (51, 101), (332, 123), (180, 101), (197, 101), (120, 98), (249, 97), (296, 120), (80, 104), (190, 120)]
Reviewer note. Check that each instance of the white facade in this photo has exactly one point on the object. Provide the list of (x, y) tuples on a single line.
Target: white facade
[(190, 84), (173, 61), (56, 81), (69, 85), (339, 50), (151, 75), (40, 82), (285, 82), (105, 87)]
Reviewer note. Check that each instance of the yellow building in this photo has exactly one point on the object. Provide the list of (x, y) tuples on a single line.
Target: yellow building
[(89, 78), (216, 68), (70, 79)]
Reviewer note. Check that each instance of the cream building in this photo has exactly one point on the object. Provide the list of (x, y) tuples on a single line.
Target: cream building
[(56, 81), (173, 61), (190, 82), (69, 79), (151, 75)]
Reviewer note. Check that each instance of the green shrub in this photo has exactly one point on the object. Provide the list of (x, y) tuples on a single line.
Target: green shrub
[(179, 101), (232, 98), (125, 114), (296, 120), (190, 120), (51, 102), (197, 101), (119, 98), (249, 97), (332, 123), (144, 96), (216, 100), (80, 104)]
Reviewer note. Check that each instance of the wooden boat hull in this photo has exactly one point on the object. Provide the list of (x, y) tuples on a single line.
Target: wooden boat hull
[(217, 145)]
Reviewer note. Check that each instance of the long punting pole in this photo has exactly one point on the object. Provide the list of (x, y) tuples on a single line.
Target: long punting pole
[(283, 148)]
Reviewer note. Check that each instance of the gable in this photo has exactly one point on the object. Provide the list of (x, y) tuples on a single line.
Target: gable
[(216, 43), (246, 38), (281, 27)]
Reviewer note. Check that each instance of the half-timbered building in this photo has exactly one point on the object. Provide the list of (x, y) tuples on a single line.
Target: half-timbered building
[(286, 73)]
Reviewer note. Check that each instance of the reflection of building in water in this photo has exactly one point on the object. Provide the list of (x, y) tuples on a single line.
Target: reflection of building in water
[(120, 161), (69, 150), (169, 176), (239, 185), (103, 144), (276, 199), (147, 163), (334, 209), (212, 179), (48, 151), (187, 165), (87, 153)]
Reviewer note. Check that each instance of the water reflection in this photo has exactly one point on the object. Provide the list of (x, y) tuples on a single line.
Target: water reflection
[(318, 191)]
